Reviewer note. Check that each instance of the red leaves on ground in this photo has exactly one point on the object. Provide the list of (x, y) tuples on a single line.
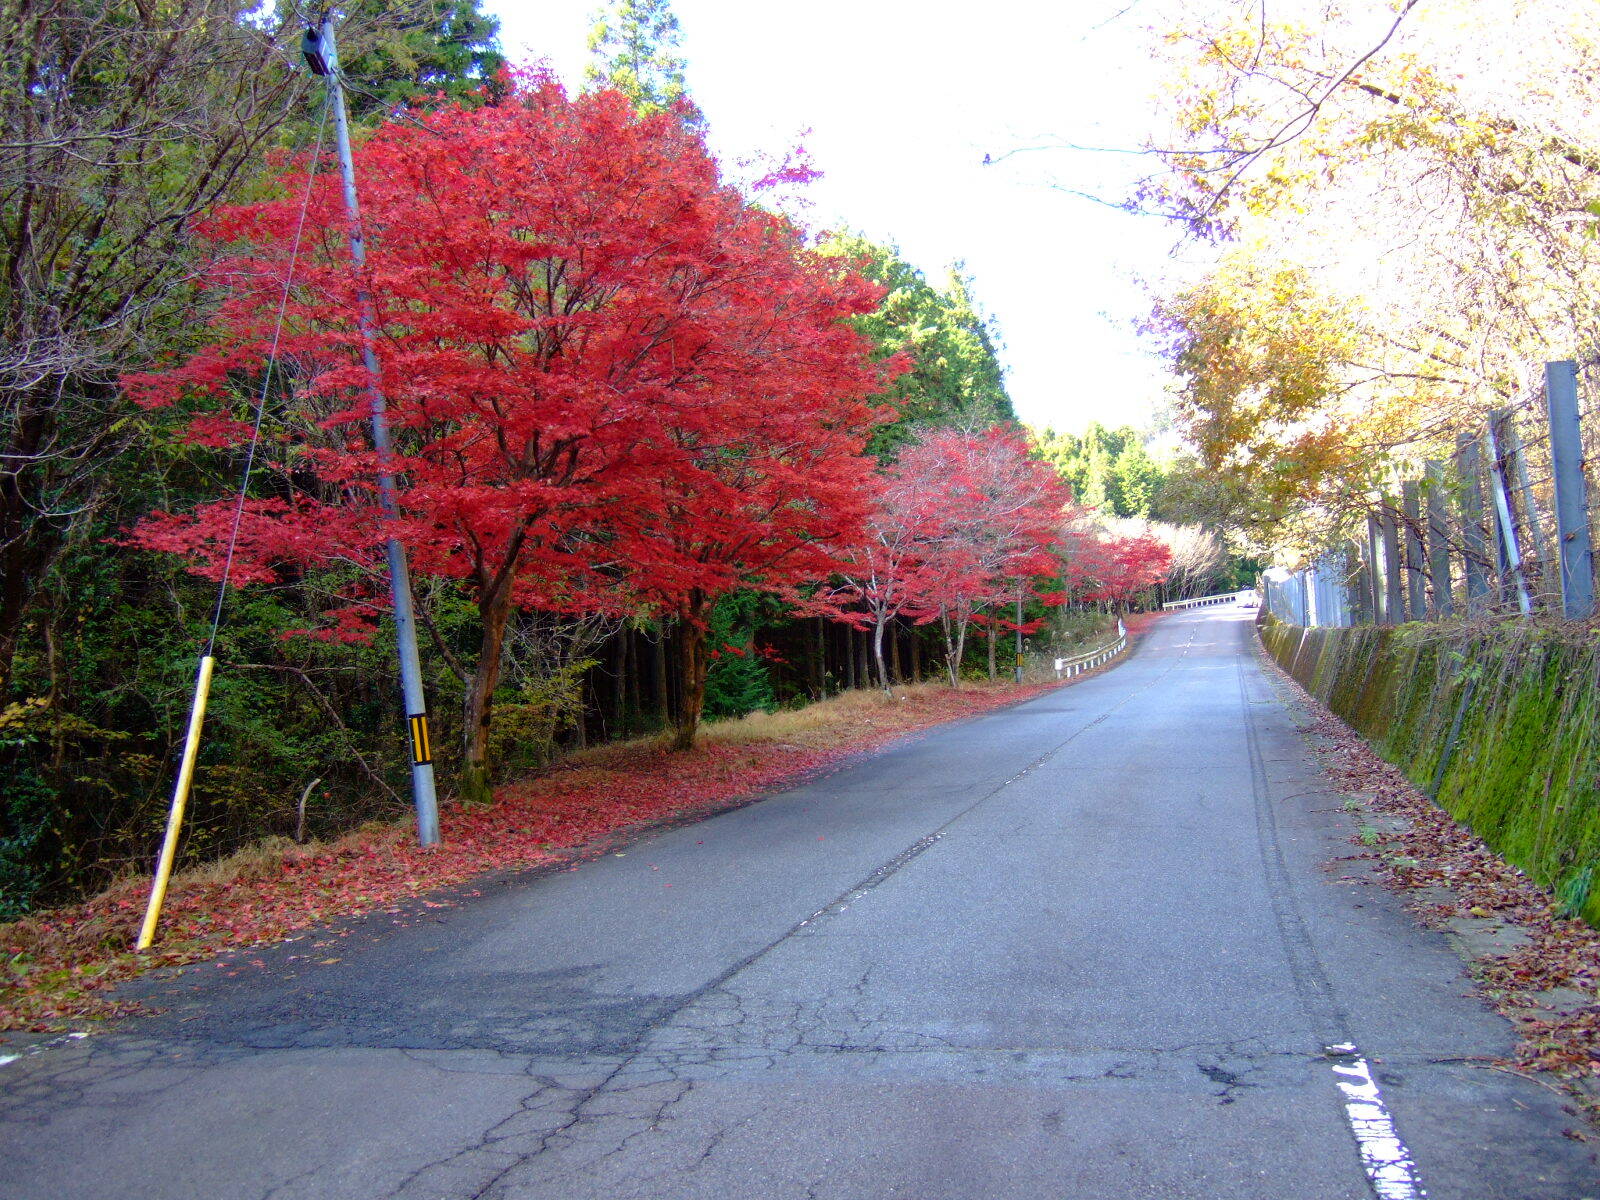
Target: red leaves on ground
[(61, 963)]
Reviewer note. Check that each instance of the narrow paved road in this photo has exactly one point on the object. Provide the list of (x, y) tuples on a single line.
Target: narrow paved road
[(1085, 947)]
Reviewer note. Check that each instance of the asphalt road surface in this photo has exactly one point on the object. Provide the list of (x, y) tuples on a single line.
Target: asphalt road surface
[(1089, 946)]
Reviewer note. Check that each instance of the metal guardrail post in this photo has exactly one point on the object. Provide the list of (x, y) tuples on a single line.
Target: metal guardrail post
[(1511, 570), (1572, 497), (1537, 550), (1386, 555), (1380, 615)]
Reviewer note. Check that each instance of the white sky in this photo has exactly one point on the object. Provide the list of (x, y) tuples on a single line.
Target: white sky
[(903, 98)]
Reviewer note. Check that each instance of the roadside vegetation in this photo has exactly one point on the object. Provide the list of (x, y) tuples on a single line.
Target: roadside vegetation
[(57, 968), (652, 435)]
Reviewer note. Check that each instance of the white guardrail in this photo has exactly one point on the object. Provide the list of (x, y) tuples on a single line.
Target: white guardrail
[(1068, 667), (1247, 597)]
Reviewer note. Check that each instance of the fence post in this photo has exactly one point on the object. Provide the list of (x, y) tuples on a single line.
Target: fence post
[(1505, 517), (1394, 602), (1572, 497), (1540, 546), (1411, 505), (1375, 568), (1536, 551), (1438, 543), (1469, 468), (1356, 588)]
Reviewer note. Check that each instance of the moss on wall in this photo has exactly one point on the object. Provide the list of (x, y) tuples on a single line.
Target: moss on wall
[(1523, 769)]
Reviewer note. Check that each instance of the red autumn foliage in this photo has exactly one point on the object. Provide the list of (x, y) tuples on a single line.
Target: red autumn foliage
[(1104, 567), (614, 383), (963, 521), (59, 966)]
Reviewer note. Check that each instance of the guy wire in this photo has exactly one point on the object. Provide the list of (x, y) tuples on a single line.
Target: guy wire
[(266, 379)]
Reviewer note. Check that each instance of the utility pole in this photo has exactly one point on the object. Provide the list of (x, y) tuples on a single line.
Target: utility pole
[(322, 57), (1019, 629)]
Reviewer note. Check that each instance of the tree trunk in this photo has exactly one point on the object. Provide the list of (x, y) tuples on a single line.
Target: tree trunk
[(494, 611), (619, 681), (658, 652), (993, 632), (631, 647), (850, 656), (819, 661), (950, 660), (877, 652), (693, 663), (916, 655), (897, 675)]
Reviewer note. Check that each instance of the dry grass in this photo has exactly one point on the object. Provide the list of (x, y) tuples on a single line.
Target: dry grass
[(821, 723), (59, 967)]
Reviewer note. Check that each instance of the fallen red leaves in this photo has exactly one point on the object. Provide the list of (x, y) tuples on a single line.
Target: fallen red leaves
[(61, 964), (1446, 872)]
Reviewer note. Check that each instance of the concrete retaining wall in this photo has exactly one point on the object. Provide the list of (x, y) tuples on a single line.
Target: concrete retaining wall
[(1501, 724)]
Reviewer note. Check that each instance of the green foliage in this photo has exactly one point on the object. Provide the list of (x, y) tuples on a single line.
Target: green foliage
[(1107, 469), (635, 48), (955, 376), (738, 681), (411, 51), (529, 722), (1573, 894)]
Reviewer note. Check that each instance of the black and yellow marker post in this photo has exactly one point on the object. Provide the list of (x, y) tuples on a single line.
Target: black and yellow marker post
[(421, 747)]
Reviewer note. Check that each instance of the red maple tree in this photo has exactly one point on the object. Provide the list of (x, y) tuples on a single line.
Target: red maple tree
[(963, 520), (612, 379), (1103, 567), (1004, 519)]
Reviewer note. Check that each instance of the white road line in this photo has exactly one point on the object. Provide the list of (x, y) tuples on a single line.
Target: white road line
[(7, 1059), (1383, 1155)]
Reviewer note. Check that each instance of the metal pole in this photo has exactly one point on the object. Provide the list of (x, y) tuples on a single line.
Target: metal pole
[(1572, 497), (1394, 603), (1356, 590), (1505, 520), (1517, 469), (422, 786), (1375, 569), (1474, 553), (1411, 504), (1019, 629), (1443, 603)]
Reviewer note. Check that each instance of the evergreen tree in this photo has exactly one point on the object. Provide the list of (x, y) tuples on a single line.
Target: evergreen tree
[(738, 681), (406, 52), (1107, 469), (955, 378), (1138, 479), (635, 48)]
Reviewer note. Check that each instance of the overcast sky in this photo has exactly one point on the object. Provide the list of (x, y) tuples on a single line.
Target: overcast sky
[(902, 101)]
